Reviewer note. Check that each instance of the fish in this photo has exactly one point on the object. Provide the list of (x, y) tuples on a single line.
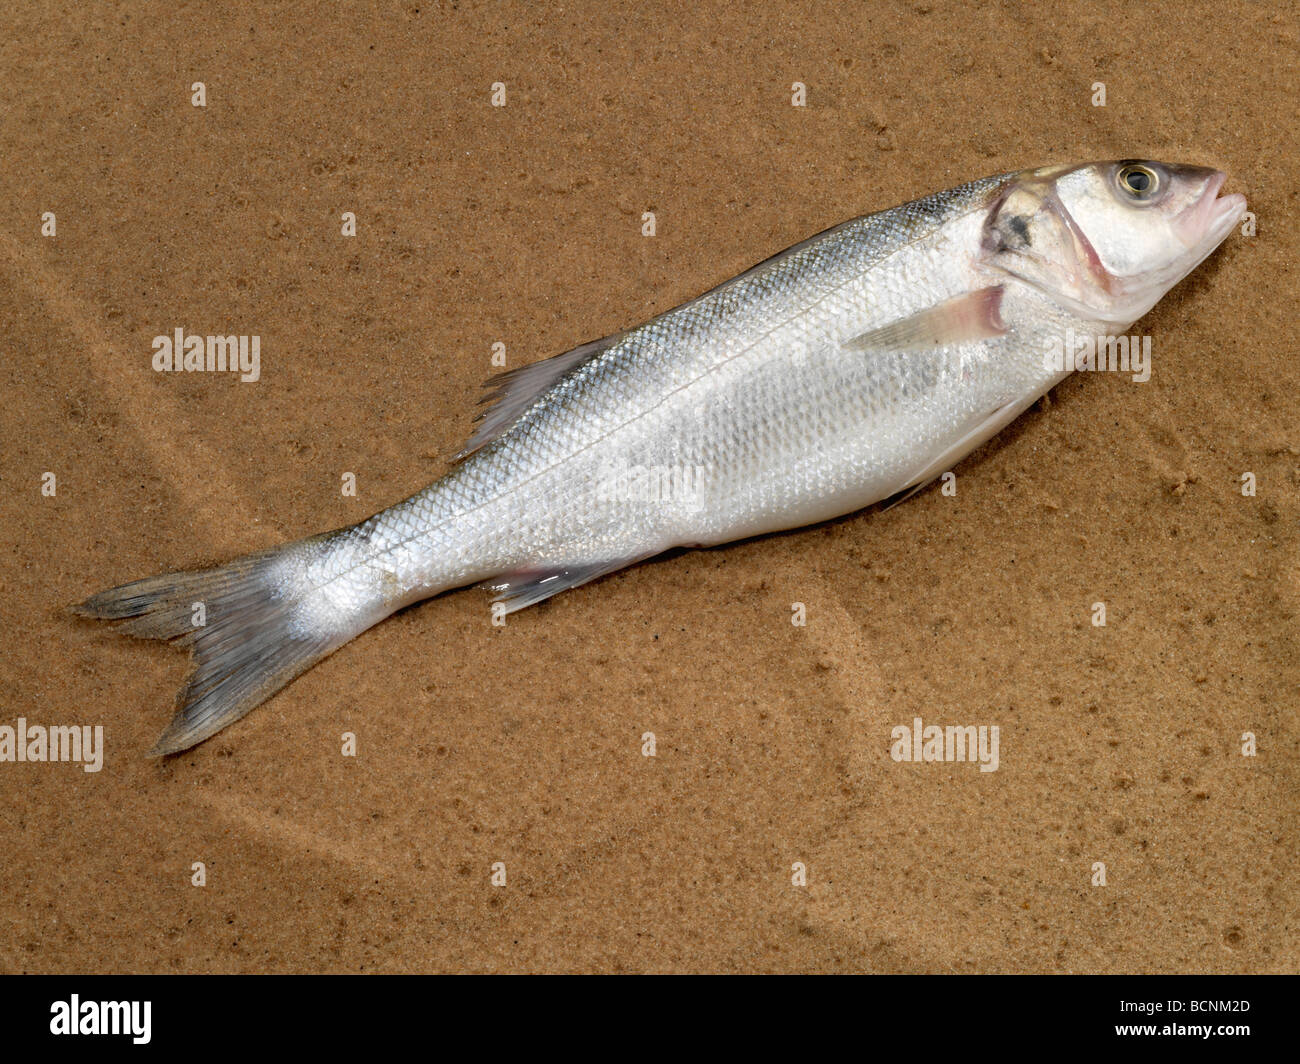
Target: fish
[(853, 368)]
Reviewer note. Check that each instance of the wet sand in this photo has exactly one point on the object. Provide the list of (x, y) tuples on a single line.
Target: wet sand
[(522, 224)]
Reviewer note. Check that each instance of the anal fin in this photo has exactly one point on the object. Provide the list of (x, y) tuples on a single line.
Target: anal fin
[(527, 587)]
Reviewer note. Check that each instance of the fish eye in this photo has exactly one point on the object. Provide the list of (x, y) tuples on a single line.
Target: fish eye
[(1138, 181)]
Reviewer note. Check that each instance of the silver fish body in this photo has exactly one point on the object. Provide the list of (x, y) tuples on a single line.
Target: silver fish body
[(747, 404), (852, 367)]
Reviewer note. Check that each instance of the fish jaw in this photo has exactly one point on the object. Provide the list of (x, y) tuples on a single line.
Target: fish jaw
[(1206, 223)]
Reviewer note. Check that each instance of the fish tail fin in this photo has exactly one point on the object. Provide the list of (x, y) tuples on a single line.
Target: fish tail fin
[(243, 621)]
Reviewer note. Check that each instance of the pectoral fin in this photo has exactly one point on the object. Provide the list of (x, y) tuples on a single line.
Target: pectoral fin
[(973, 316)]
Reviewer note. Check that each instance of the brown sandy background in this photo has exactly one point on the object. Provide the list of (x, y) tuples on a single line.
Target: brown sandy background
[(522, 745)]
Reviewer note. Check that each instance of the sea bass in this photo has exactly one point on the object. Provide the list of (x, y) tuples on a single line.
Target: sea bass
[(851, 368)]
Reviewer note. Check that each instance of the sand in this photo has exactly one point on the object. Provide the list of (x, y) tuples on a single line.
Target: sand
[(1120, 745)]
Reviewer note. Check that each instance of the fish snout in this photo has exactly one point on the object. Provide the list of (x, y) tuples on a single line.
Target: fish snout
[(1209, 216)]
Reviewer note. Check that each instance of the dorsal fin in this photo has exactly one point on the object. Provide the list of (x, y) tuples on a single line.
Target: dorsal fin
[(509, 394)]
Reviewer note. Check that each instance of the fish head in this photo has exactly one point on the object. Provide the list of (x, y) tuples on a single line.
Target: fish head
[(1108, 239)]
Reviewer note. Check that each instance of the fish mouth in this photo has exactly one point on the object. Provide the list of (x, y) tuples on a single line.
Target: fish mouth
[(1203, 225)]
